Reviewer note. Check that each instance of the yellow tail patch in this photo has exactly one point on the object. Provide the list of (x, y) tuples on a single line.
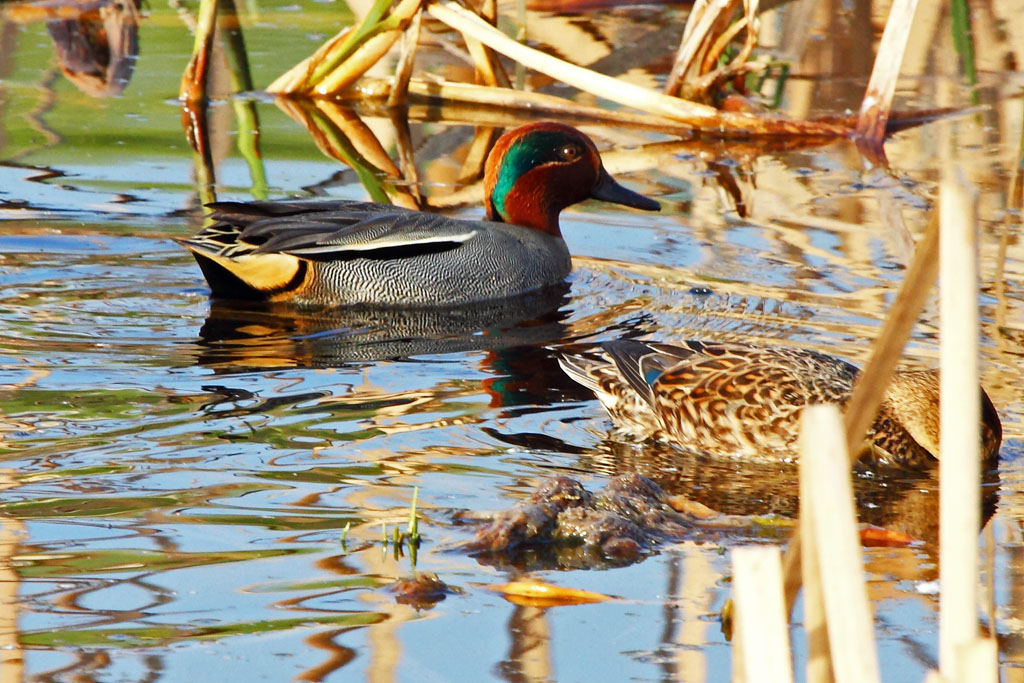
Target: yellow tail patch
[(263, 272)]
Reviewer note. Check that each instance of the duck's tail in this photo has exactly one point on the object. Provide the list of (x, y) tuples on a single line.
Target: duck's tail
[(233, 271)]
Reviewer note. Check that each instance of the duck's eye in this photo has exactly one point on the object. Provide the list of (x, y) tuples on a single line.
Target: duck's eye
[(571, 152)]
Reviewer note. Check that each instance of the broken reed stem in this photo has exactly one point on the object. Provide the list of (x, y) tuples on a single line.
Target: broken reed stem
[(760, 616), (830, 512), (874, 110), (960, 415), (870, 385)]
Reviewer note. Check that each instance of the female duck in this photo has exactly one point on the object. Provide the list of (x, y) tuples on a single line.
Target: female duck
[(343, 252), (744, 401)]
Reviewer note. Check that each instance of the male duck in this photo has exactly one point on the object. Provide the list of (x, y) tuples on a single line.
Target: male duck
[(744, 401), (344, 252)]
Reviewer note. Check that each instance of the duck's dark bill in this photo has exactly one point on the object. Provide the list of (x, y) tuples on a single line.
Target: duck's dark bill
[(610, 191)]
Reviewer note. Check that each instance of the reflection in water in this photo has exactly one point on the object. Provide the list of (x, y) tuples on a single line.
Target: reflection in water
[(239, 335), (529, 656), (896, 499), (97, 41), (12, 532)]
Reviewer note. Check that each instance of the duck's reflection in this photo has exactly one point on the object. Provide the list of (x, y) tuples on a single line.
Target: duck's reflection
[(240, 336), (905, 501)]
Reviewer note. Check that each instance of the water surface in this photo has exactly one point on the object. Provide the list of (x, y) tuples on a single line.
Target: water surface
[(178, 474)]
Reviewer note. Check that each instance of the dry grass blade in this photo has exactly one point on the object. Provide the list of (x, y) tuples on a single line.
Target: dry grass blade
[(874, 110), (488, 69), (403, 141), (871, 383), (341, 135), (819, 656)]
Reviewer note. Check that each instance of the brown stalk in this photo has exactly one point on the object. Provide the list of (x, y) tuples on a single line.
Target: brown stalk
[(871, 383)]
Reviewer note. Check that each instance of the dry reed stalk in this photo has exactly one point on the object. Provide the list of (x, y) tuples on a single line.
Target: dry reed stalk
[(488, 68), (873, 380), (979, 661), (959, 407), (295, 79), (819, 659), (344, 58), (874, 110), (358, 63), (707, 79), (707, 19), (535, 102), (760, 615), (489, 72), (825, 463), (607, 87), (403, 72)]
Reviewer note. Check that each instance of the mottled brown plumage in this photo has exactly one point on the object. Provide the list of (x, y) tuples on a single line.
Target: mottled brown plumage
[(744, 401)]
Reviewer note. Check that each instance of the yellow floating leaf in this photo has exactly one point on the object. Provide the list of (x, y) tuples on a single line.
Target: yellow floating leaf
[(540, 594)]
